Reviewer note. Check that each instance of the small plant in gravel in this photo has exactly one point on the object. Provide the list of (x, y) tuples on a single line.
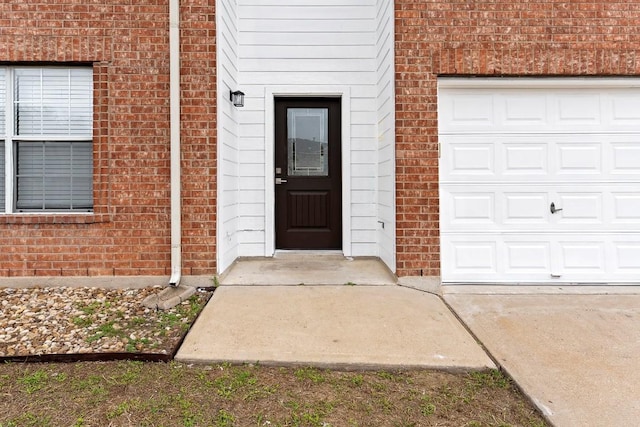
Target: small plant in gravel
[(82, 321), (106, 330), (92, 320), (134, 344), (89, 309)]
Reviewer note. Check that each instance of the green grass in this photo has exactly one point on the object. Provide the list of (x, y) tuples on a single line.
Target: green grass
[(228, 385), (175, 394), (82, 321), (492, 378), (89, 309), (314, 375), (225, 419), (29, 419), (35, 381)]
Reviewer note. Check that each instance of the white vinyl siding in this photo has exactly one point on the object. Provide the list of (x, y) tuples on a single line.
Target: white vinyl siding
[(47, 131), (303, 47), (228, 150), (307, 48), (386, 133)]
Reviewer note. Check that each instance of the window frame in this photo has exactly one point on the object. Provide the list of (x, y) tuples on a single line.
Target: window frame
[(11, 139)]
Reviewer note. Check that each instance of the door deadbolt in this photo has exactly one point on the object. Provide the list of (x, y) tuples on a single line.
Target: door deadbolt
[(553, 209)]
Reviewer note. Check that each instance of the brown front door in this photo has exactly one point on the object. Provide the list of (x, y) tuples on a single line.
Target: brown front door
[(308, 173)]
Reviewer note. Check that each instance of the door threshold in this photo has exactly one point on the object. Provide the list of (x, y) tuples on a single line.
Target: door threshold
[(291, 253)]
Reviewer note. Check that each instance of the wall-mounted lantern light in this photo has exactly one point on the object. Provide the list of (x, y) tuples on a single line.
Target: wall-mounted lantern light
[(237, 98)]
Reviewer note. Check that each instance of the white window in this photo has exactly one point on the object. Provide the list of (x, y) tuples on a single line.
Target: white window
[(46, 130)]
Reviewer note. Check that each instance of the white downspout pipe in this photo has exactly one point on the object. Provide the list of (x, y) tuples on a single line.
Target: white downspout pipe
[(174, 113)]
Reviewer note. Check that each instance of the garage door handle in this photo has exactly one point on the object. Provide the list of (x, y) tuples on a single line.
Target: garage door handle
[(553, 208)]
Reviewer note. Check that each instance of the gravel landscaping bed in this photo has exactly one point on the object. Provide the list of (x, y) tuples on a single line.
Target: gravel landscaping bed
[(67, 321)]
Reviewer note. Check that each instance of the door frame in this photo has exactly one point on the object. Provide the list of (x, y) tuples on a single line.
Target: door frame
[(306, 91)]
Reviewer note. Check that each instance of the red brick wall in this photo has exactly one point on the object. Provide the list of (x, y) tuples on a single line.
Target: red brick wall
[(486, 38), (127, 43)]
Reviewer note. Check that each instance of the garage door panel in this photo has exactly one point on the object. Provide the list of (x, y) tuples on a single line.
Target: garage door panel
[(541, 258), (581, 208), (495, 208), (509, 152), (625, 158), (466, 111), (529, 158), (579, 158), (627, 259), (624, 109), (539, 110), (518, 110), (553, 158), (575, 108), (527, 257), (472, 159), (626, 208), (475, 257), (473, 208), (526, 208), (577, 256)]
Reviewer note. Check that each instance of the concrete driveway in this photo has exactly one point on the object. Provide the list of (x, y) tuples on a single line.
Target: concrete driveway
[(577, 355)]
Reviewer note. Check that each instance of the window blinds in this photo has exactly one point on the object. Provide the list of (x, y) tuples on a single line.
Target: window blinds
[(54, 175), (2, 178), (52, 101), (49, 103)]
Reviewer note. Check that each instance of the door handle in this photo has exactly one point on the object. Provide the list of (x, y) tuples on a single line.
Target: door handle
[(280, 181), (553, 209)]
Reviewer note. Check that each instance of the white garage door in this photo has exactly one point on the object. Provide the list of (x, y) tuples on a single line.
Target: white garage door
[(513, 151)]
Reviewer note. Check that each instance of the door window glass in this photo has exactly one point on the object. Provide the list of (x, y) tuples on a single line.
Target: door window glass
[(307, 142)]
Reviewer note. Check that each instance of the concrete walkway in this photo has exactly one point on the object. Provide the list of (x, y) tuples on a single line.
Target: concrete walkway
[(308, 268), (575, 351), (332, 326), (577, 356)]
